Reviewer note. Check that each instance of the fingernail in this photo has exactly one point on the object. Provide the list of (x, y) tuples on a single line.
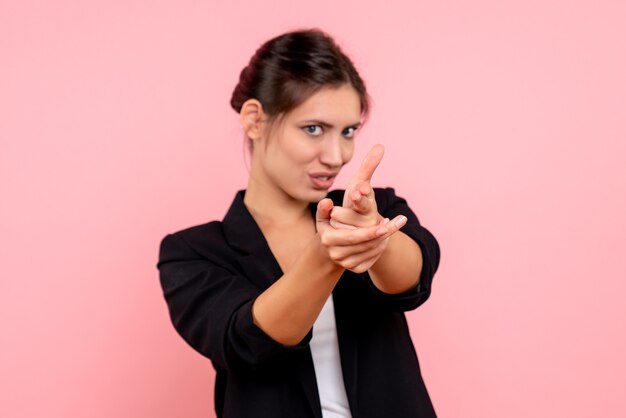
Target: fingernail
[(386, 220), (401, 222)]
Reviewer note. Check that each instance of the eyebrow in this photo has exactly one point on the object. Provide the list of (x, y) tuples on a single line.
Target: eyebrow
[(328, 125)]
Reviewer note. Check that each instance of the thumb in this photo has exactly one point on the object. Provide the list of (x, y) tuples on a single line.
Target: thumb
[(324, 207)]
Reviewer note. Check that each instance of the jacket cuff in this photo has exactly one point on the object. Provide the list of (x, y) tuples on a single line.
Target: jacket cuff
[(250, 344), (416, 296)]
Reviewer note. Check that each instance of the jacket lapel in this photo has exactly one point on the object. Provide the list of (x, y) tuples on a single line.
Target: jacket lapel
[(348, 352), (244, 235), (260, 266)]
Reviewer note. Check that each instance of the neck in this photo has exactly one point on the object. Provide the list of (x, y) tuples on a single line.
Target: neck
[(272, 207)]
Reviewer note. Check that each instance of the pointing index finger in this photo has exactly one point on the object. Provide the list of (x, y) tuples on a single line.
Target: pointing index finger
[(370, 163)]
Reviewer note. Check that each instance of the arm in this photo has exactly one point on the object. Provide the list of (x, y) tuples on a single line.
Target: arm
[(399, 267), (209, 302), (392, 205), (419, 242), (287, 310)]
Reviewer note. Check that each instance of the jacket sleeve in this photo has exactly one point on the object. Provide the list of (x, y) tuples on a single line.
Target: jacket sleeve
[(211, 309), (389, 206)]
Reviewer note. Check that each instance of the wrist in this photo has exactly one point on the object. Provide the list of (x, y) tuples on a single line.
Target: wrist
[(320, 252)]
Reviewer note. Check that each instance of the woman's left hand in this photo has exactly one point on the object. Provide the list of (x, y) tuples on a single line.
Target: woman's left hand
[(355, 249)]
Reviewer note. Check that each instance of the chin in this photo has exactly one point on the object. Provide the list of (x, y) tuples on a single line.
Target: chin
[(317, 195), (310, 195)]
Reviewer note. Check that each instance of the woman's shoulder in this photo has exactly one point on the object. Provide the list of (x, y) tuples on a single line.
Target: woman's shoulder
[(211, 236), (201, 239), (211, 230)]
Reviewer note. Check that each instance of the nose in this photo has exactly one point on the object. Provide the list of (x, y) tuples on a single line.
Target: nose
[(332, 153)]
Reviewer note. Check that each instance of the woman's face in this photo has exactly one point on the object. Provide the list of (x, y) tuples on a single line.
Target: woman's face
[(305, 151)]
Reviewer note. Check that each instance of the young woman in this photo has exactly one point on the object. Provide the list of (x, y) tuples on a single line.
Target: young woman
[(298, 295)]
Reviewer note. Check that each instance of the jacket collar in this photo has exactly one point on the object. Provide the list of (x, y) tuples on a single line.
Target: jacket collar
[(240, 229)]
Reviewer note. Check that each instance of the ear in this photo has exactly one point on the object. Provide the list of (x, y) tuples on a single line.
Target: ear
[(252, 118)]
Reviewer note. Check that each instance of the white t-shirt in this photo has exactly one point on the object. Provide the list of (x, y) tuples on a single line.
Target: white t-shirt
[(325, 352)]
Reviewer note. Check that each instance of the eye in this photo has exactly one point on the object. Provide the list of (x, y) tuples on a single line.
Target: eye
[(349, 132), (313, 130)]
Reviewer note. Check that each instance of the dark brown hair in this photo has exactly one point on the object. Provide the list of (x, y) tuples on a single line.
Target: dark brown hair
[(288, 69)]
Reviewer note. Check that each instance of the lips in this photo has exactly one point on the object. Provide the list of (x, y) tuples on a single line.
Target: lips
[(322, 181)]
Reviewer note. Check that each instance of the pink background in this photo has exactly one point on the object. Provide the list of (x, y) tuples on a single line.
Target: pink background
[(504, 124)]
